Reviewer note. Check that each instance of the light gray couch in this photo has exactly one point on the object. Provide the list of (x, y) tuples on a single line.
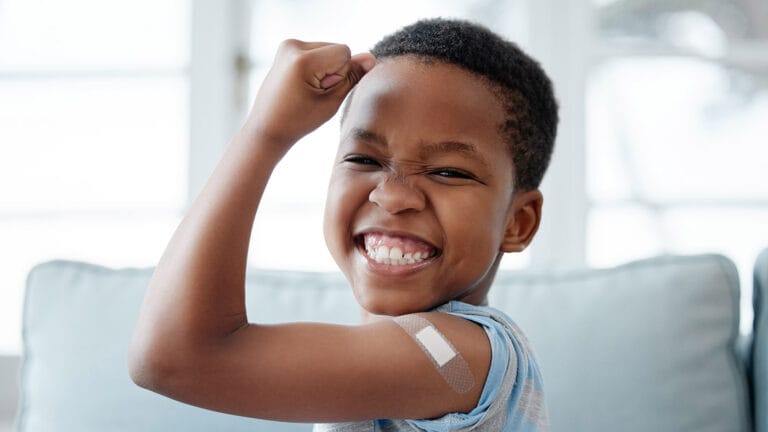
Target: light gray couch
[(648, 346)]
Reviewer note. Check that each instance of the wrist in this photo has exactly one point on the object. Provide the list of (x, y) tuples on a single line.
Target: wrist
[(267, 142)]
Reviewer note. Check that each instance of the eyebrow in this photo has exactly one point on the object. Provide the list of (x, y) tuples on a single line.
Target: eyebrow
[(360, 134), (428, 149), (466, 149)]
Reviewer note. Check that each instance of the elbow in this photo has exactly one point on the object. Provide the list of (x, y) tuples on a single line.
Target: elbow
[(151, 369), (168, 370), (144, 370)]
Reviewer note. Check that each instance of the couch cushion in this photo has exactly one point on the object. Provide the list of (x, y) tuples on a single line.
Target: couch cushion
[(760, 350), (647, 346), (78, 320)]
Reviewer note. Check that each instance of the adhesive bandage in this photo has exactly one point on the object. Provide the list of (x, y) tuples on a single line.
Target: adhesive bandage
[(440, 351)]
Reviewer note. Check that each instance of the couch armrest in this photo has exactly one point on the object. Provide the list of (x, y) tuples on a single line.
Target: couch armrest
[(9, 391), (760, 343)]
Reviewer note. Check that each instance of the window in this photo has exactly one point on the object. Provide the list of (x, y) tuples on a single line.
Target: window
[(676, 155), (93, 142), (112, 115)]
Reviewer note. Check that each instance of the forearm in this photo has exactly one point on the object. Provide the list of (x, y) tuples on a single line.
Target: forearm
[(196, 295)]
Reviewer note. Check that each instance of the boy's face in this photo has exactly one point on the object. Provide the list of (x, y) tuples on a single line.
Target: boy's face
[(420, 204)]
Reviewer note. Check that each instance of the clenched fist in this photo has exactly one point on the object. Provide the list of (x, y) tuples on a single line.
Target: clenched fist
[(303, 89)]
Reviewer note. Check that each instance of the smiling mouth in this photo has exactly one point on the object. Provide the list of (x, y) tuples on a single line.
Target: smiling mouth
[(394, 250)]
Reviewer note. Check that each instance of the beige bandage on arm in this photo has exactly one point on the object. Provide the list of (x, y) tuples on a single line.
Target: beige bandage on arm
[(444, 356)]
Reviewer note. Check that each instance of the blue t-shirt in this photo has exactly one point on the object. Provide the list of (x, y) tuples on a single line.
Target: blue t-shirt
[(512, 398)]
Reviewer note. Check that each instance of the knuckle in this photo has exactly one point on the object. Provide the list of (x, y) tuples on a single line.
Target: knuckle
[(302, 59), (288, 45)]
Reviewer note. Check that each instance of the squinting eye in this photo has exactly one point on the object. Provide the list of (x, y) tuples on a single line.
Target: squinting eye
[(452, 173), (361, 160)]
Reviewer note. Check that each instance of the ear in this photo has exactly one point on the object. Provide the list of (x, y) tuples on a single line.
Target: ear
[(522, 221)]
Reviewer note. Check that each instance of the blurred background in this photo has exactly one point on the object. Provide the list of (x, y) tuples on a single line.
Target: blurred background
[(114, 113)]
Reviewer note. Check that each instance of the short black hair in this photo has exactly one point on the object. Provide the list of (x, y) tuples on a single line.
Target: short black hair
[(520, 82)]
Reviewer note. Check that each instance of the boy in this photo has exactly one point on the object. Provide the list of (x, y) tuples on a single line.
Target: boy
[(443, 144)]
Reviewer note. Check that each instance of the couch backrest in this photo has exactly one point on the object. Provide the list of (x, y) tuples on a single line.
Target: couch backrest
[(648, 346), (78, 320)]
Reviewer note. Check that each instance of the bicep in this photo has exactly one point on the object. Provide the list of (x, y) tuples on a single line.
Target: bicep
[(324, 373)]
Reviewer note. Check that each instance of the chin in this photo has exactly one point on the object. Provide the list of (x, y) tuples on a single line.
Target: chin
[(386, 310), (390, 303)]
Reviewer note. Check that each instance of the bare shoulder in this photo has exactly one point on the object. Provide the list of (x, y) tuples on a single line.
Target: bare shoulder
[(449, 336), (458, 348)]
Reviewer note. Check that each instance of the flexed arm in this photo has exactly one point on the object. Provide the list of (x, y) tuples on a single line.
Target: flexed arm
[(196, 294), (193, 341)]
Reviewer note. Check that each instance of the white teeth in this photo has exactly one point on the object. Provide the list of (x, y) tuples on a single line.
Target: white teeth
[(394, 256), (382, 253)]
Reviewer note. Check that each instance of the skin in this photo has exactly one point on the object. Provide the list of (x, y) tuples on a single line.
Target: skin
[(193, 340)]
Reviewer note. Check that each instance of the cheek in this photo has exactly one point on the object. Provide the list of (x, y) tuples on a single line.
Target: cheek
[(331, 216), (477, 224), (345, 197)]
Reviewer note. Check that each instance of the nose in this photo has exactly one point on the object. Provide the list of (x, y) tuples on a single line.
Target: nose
[(395, 195)]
